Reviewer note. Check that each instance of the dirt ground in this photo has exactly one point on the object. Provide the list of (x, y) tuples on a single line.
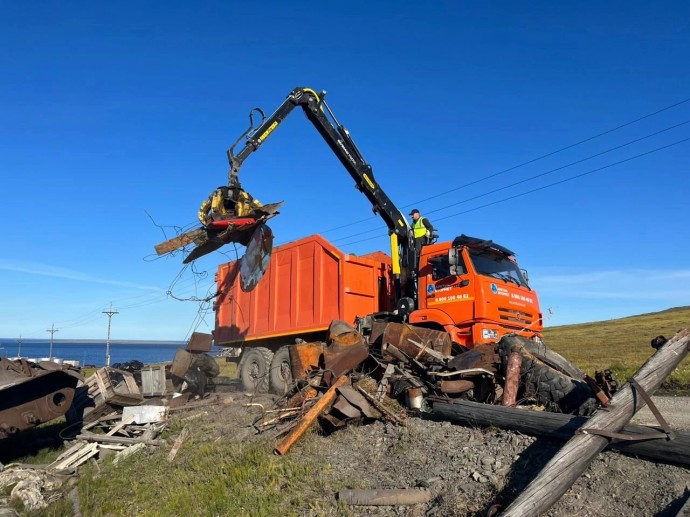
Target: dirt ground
[(469, 469)]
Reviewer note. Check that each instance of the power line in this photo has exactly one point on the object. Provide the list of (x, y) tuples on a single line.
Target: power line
[(546, 173), (542, 187), (533, 160)]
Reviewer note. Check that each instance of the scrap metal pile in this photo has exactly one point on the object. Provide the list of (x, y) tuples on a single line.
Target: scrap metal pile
[(399, 368)]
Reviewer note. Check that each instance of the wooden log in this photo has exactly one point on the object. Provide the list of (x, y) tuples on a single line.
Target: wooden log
[(310, 416), (576, 455), (512, 379), (562, 427), (385, 497)]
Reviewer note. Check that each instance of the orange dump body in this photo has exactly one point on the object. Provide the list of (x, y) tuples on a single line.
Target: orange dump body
[(308, 284)]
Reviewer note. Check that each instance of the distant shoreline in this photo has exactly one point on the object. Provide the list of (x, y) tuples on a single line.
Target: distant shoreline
[(100, 342)]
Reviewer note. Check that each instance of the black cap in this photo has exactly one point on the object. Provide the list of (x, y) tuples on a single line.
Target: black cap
[(414, 211)]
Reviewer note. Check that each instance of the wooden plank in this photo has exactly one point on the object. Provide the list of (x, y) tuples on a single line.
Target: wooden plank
[(561, 427), (67, 453), (178, 242), (576, 455), (118, 439), (90, 454), (310, 416), (74, 459), (120, 425), (178, 443)]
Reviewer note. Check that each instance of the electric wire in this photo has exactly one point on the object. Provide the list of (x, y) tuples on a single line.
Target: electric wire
[(528, 162), (536, 176), (570, 178)]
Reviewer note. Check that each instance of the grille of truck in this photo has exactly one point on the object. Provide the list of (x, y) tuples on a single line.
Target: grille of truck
[(515, 316)]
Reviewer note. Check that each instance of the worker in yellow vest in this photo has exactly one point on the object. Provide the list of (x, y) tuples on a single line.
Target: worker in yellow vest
[(422, 228)]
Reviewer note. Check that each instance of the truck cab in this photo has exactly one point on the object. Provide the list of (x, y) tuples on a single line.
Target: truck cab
[(474, 290)]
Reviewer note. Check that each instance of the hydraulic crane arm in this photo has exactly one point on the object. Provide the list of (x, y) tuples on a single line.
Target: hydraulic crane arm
[(338, 138)]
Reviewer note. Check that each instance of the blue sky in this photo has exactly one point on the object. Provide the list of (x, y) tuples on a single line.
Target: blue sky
[(112, 111)]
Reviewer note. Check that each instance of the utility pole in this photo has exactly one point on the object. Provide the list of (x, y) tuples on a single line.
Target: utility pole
[(52, 331), (19, 349), (110, 313)]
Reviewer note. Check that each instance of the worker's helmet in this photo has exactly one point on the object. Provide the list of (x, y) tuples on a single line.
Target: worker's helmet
[(414, 211)]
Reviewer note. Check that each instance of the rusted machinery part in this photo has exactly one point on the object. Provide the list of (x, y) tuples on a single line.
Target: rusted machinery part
[(32, 395), (424, 345), (256, 258), (459, 386), (510, 389)]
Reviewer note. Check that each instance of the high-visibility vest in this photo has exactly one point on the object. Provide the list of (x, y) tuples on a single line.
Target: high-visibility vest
[(419, 228)]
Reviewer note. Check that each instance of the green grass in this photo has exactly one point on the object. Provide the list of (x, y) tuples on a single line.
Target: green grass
[(622, 344), (208, 477)]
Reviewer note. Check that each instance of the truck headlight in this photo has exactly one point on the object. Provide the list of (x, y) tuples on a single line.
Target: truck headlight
[(489, 334)]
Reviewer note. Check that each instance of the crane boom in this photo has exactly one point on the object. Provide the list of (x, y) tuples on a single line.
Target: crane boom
[(404, 258)]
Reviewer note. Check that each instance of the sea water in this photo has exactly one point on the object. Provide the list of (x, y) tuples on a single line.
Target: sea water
[(92, 352)]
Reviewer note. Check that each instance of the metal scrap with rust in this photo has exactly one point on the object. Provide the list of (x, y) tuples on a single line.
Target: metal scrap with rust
[(31, 394)]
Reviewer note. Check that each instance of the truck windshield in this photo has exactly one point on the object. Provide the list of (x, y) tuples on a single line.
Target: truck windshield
[(495, 265)]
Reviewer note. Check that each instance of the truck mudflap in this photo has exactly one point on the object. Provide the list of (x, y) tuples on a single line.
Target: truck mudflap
[(32, 394)]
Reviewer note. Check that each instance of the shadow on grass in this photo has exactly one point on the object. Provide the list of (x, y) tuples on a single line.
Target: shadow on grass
[(31, 445)]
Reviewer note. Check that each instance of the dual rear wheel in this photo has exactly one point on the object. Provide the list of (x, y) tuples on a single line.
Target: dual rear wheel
[(261, 370)]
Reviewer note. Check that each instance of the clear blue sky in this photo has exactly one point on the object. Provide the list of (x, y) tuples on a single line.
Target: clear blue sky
[(110, 111)]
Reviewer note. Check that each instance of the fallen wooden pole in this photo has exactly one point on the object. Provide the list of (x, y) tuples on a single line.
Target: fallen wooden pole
[(576, 455), (560, 427), (310, 416), (385, 497)]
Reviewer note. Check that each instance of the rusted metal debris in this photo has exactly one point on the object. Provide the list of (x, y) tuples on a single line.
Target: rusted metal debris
[(33, 393), (397, 368)]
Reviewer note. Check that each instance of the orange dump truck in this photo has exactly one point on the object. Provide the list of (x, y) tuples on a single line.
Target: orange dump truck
[(308, 284), (470, 288)]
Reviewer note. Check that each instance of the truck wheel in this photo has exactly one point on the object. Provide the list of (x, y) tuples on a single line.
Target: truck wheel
[(545, 377), (551, 387), (545, 354), (280, 376), (254, 367)]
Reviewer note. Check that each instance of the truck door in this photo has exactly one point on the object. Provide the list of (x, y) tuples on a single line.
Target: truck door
[(450, 293)]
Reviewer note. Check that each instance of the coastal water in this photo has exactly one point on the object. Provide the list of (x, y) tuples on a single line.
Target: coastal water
[(92, 352)]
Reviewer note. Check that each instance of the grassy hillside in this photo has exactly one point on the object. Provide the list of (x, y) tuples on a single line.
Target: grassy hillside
[(621, 345)]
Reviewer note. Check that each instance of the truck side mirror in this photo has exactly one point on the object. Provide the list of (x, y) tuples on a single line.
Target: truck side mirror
[(525, 274), (453, 262), (453, 256)]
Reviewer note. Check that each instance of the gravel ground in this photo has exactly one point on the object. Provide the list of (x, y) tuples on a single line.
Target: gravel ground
[(469, 469), (676, 411)]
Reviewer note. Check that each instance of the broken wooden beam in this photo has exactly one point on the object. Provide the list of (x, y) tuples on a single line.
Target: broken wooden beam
[(310, 416), (573, 459), (560, 427), (178, 443), (101, 438)]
